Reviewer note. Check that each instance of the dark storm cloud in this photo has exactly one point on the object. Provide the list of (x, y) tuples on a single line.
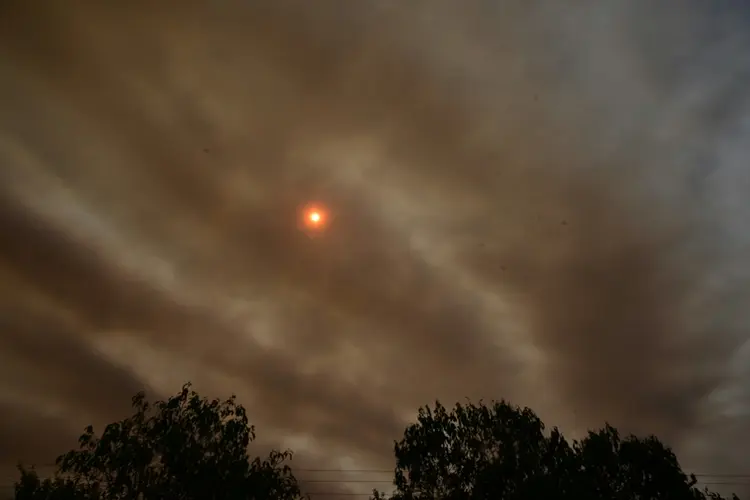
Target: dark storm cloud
[(516, 210)]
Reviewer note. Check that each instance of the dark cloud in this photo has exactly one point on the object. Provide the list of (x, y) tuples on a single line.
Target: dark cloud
[(521, 197)]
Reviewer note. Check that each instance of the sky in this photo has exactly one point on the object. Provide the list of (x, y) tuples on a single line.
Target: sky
[(536, 201)]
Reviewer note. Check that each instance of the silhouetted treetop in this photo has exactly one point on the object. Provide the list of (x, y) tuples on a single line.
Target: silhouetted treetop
[(184, 448), (502, 452), (191, 448)]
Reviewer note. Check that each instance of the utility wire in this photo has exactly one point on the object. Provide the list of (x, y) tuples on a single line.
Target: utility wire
[(704, 479), (383, 471)]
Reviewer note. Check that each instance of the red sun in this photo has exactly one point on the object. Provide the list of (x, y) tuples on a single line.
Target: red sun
[(314, 218)]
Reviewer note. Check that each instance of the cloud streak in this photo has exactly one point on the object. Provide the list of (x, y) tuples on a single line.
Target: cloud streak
[(530, 203)]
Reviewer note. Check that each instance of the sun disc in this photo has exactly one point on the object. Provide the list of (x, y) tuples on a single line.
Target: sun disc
[(313, 218)]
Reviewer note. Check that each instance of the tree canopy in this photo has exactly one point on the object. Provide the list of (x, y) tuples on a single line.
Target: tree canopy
[(503, 452), (184, 448), (188, 447)]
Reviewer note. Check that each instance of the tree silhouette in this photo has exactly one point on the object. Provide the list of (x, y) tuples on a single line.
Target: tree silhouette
[(502, 452), (183, 448), (31, 487)]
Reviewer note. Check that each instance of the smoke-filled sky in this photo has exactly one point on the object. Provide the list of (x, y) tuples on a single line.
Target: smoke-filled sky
[(538, 201)]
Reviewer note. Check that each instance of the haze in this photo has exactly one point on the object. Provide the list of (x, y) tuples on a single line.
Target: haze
[(543, 202)]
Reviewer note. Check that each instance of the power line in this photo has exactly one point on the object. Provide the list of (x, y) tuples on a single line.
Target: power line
[(384, 471), (722, 475), (704, 479), (302, 480), (313, 493), (346, 470), (294, 468)]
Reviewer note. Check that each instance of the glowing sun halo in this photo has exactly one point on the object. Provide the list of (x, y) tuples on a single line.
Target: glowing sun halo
[(314, 218)]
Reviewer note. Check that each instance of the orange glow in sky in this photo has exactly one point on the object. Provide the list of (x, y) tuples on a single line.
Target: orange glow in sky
[(314, 218)]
